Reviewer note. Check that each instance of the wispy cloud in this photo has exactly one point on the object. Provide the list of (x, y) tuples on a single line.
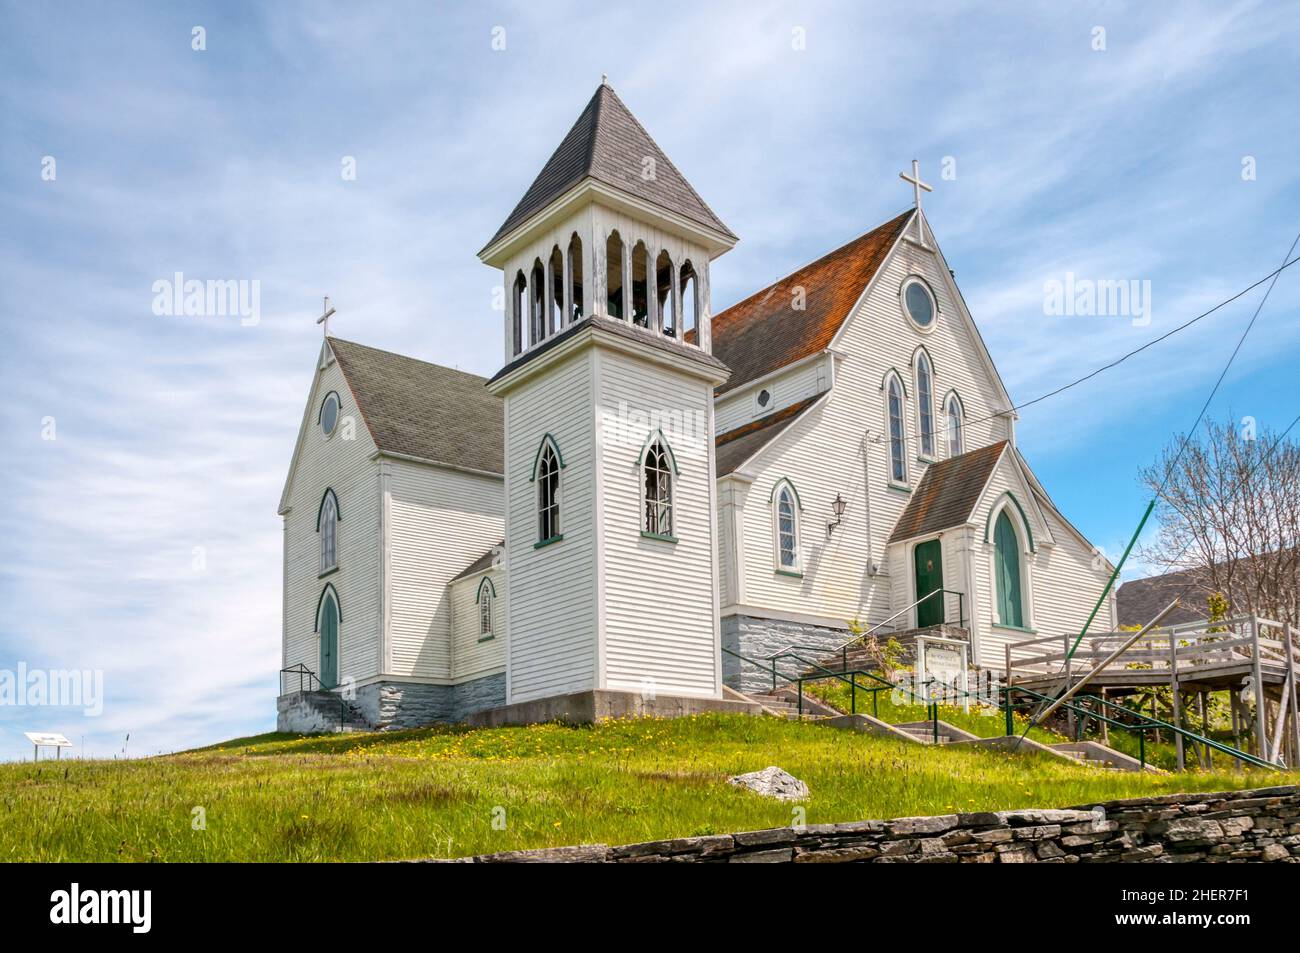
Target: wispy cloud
[(144, 541)]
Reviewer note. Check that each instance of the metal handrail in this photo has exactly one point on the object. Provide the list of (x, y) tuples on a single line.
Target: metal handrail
[(850, 677), (301, 670), (1193, 736), (961, 622), (1146, 724)]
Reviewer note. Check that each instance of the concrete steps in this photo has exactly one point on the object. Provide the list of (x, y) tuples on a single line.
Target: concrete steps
[(336, 711), (784, 703), (1095, 754), (926, 732)]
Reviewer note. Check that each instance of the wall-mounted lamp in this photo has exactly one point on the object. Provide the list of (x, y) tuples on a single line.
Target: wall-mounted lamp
[(838, 507)]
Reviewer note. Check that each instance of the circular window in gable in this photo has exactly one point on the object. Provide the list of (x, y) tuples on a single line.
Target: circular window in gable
[(329, 413), (918, 303)]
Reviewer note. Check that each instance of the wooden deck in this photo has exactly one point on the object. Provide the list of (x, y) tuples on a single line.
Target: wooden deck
[(1192, 658)]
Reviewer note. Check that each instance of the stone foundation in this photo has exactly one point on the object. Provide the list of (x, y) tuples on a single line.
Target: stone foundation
[(1233, 826), (391, 705), (584, 708), (757, 638)]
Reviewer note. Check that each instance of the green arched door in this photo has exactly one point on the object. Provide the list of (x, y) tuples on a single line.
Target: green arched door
[(1006, 563), (928, 560), (329, 642)]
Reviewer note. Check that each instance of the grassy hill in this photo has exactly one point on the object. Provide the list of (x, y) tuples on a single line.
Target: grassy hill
[(454, 791)]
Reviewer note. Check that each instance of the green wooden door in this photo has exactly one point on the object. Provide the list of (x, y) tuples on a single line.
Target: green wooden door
[(929, 577), (329, 643), (1006, 561)]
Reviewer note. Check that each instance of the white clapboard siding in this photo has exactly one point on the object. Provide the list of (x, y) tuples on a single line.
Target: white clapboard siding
[(1061, 581), (552, 599), (345, 465), (825, 452), (806, 379), (660, 614), (473, 655), (441, 520)]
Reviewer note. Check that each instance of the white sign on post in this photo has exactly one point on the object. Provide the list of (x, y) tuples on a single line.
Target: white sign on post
[(946, 662), (47, 739)]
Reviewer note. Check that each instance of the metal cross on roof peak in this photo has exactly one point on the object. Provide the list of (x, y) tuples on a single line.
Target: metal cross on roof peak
[(325, 318), (917, 186)]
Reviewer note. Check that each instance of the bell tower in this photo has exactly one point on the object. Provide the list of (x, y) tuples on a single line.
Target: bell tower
[(609, 458)]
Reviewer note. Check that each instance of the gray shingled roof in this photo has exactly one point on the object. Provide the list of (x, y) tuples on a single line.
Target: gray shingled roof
[(1138, 600), (609, 145), (483, 562), (424, 410), (948, 492)]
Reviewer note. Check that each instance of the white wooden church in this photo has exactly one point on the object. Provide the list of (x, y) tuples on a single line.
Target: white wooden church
[(645, 484)]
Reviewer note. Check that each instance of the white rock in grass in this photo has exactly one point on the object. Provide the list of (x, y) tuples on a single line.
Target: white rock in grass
[(772, 782)]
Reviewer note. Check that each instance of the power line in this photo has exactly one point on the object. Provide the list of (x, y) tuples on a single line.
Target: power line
[(1182, 447), (1232, 357), (1138, 350)]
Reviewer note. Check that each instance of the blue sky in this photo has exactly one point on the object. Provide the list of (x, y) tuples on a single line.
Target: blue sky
[(173, 434)]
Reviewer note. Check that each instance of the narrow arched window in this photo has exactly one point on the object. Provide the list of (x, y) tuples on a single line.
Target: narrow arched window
[(925, 404), (327, 522), (690, 286), (575, 277), (664, 291), (658, 482), (897, 436), (641, 285), (955, 446), (537, 303), (519, 303), (786, 513), (548, 493), (614, 252), (486, 595), (1006, 569), (555, 307)]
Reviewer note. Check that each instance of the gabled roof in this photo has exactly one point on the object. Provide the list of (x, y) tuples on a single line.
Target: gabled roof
[(947, 494), (482, 563), (736, 446), (1138, 600), (609, 145), (765, 331), (423, 410)]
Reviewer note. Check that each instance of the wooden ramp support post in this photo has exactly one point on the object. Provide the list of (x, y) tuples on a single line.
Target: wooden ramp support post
[(1261, 730)]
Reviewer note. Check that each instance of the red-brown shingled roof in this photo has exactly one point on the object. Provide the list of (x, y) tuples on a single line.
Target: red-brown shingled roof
[(739, 444), (764, 332), (948, 492)]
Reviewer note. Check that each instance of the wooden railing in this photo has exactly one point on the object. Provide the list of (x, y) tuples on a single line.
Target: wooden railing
[(1189, 651)]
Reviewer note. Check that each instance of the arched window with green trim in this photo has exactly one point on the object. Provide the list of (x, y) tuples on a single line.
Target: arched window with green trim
[(485, 597), (925, 402), (897, 431), (1006, 571), (546, 474), (955, 422), (327, 519), (785, 518)]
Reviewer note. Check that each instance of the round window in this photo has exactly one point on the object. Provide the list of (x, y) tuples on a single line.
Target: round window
[(329, 413), (764, 398), (918, 302)]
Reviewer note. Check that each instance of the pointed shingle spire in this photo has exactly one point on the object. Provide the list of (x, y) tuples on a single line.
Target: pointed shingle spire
[(609, 145)]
